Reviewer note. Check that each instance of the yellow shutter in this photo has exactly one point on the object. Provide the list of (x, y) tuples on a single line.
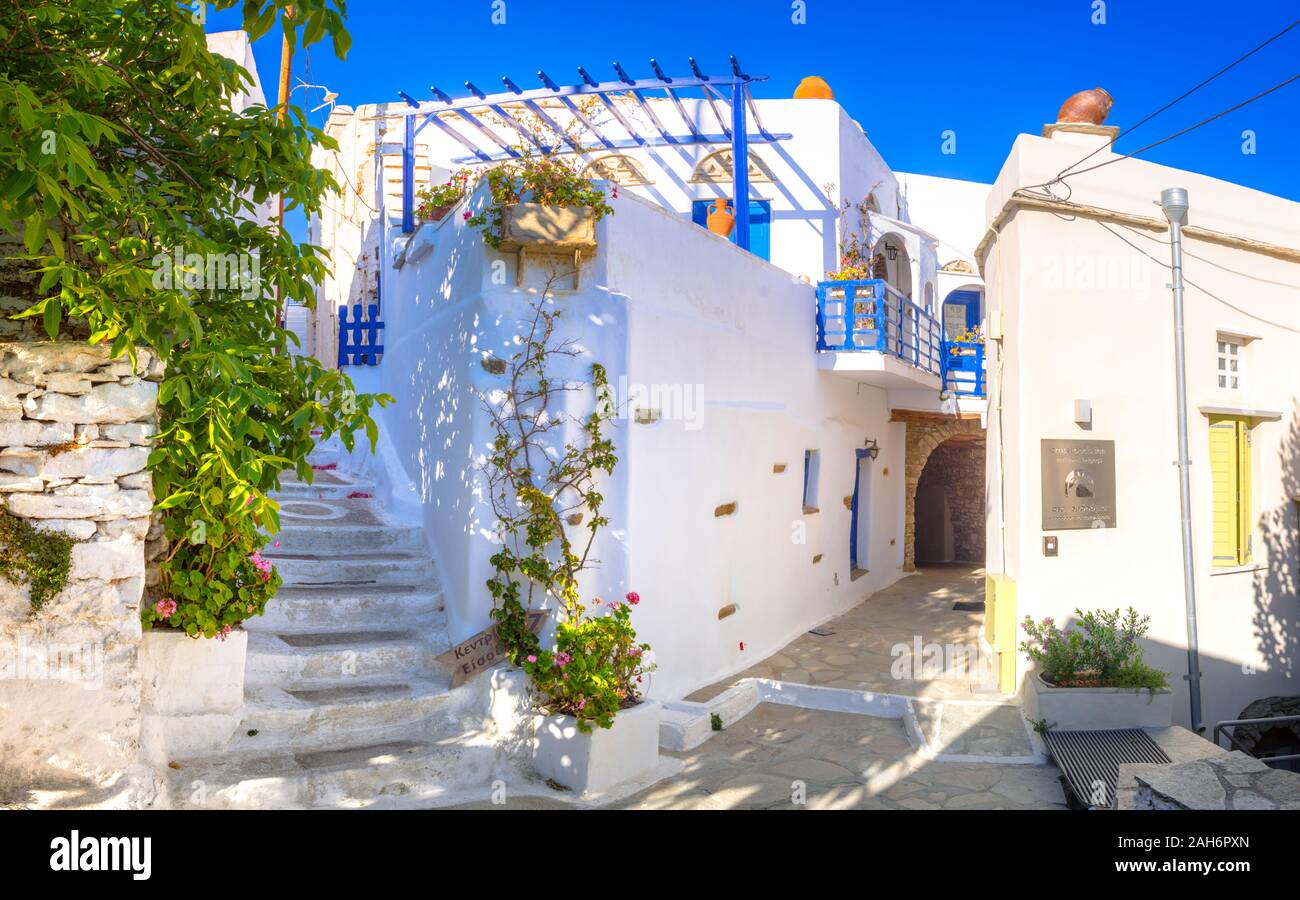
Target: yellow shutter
[(1231, 477), (1243, 491)]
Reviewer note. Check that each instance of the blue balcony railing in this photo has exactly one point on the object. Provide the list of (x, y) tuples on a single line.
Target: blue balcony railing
[(872, 316), (963, 368)]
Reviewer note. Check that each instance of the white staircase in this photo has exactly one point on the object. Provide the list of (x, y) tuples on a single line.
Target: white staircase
[(345, 705)]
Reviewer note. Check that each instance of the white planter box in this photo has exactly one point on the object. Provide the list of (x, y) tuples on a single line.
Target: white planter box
[(1090, 709), (594, 762), (191, 693)]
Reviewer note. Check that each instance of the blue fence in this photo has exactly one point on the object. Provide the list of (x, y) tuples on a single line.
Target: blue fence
[(359, 337), (872, 316), (963, 368)]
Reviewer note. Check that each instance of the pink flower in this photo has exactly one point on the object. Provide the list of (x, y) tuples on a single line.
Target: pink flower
[(165, 608), (276, 544), (532, 658), (223, 633), (633, 597), (597, 601), (614, 604), (465, 215), (582, 703), (562, 659)]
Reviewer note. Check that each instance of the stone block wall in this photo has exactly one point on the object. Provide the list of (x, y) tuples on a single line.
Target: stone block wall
[(75, 428), (960, 467), (925, 433)]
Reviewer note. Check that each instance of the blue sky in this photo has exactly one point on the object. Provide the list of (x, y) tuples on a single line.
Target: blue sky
[(906, 71)]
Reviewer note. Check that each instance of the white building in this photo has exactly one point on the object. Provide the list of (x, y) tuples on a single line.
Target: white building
[(1081, 311), (764, 486)]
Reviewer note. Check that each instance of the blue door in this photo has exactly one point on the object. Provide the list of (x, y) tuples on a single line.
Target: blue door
[(961, 312), (860, 509), (760, 225)]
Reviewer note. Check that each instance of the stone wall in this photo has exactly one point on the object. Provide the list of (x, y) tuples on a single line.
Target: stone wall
[(74, 433), (959, 466)]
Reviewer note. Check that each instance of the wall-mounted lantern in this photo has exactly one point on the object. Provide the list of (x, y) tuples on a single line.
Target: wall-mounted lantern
[(873, 449), (892, 251)]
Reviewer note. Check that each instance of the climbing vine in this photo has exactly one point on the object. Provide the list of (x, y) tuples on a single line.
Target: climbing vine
[(545, 493), (40, 559)]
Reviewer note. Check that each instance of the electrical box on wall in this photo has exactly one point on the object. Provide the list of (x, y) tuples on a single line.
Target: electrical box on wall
[(1049, 545), (995, 324)]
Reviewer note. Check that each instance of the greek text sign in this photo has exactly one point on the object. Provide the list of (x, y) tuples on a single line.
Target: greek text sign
[(1078, 484), (484, 650)]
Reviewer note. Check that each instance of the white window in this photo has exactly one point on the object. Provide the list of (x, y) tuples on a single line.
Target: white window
[(1231, 358)]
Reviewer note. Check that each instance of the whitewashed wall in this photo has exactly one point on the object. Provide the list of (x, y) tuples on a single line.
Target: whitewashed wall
[(666, 304)]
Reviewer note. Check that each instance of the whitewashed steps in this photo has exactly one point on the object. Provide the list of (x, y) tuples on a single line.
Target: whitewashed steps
[(339, 659), (391, 569), (332, 718), (326, 484), (392, 774), (342, 608)]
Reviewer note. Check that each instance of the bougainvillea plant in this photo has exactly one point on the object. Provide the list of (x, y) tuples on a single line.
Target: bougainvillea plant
[(546, 495), (140, 189)]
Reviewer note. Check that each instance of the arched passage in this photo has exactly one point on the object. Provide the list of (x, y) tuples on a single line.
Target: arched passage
[(959, 470)]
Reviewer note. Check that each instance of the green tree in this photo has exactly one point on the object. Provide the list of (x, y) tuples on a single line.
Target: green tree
[(120, 149)]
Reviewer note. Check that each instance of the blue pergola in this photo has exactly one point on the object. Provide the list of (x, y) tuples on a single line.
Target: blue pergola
[(719, 91)]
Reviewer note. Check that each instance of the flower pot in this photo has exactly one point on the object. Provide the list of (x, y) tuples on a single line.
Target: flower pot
[(191, 693), (1090, 107), (437, 213), (1088, 709), (594, 762), (720, 220), (539, 227)]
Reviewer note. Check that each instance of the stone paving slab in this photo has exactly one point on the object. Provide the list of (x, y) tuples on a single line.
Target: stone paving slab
[(906, 639)]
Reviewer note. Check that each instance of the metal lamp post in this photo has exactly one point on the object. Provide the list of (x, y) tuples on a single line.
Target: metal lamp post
[(1174, 203)]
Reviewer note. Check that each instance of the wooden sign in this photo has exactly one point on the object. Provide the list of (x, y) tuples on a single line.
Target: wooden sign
[(484, 650)]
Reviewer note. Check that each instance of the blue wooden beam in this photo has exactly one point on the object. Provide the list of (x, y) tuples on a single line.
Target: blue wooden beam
[(613, 144), (740, 160)]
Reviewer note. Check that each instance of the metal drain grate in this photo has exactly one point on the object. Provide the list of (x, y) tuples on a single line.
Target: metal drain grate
[(968, 606), (1090, 760)]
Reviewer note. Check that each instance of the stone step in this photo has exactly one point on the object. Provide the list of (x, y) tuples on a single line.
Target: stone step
[(393, 774), (347, 608), (339, 659), (325, 455), (326, 540), (312, 719), (355, 569), (326, 485)]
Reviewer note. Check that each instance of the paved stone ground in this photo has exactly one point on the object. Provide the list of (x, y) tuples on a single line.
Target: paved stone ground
[(861, 655), (846, 761), (849, 761)]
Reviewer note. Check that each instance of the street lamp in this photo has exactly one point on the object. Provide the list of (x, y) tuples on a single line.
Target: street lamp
[(1174, 203)]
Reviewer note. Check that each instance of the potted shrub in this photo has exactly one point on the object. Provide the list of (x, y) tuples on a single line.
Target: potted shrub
[(594, 730), (1092, 676), (541, 202), (434, 202)]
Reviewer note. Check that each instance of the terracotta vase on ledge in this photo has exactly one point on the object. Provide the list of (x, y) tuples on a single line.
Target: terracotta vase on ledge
[(1090, 107), (720, 220)]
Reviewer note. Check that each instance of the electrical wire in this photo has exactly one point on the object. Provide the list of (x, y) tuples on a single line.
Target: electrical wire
[(1189, 282), (1059, 179)]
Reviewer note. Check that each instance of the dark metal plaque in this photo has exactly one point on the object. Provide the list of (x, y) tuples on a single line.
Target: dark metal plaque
[(1078, 484)]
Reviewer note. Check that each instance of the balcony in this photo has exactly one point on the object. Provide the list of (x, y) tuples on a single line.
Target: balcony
[(869, 331)]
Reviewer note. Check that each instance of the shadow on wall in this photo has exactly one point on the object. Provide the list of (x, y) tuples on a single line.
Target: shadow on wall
[(1277, 586)]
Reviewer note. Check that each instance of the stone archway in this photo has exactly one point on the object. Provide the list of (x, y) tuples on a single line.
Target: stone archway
[(926, 431)]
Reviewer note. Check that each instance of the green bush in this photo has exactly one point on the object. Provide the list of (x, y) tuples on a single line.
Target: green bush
[(1101, 650), (40, 559)]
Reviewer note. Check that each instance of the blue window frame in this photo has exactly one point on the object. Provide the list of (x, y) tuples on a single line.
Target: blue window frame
[(760, 225)]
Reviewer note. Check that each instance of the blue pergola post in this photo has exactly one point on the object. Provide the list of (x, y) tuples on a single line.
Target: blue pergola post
[(408, 177), (740, 163)]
